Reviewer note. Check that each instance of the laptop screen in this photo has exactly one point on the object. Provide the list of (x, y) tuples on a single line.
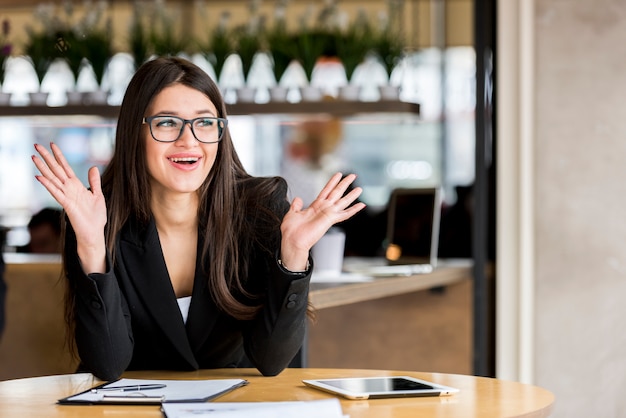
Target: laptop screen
[(413, 226)]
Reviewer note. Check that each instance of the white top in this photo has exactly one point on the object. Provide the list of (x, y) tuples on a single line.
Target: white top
[(183, 305)]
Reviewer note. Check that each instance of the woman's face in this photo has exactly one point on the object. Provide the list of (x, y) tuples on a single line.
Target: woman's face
[(183, 165)]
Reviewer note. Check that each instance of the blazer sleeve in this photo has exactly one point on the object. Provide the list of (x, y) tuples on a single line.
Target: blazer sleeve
[(103, 330), (274, 337), (278, 332)]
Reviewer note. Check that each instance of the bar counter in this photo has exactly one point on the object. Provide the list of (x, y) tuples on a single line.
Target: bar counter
[(392, 309)]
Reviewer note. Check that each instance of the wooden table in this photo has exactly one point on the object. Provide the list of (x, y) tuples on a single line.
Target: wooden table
[(478, 397)]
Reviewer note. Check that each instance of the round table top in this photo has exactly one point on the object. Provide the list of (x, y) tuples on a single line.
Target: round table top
[(478, 397)]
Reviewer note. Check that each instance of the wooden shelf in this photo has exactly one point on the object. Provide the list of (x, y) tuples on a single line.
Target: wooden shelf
[(332, 107)]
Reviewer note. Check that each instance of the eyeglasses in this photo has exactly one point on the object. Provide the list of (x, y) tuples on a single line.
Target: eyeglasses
[(207, 130)]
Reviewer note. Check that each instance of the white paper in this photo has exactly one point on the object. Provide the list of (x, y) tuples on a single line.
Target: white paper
[(174, 390), (324, 408)]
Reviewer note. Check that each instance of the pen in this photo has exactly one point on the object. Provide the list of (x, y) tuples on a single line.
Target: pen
[(130, 388)]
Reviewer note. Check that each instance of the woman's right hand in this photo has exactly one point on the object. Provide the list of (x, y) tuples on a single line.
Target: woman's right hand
[(85, 208)]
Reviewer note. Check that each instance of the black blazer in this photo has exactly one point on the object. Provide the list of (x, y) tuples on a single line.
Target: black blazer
[(128, 318)]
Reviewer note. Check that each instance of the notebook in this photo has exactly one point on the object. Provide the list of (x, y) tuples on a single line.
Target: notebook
[(153, 392), (412, 238)]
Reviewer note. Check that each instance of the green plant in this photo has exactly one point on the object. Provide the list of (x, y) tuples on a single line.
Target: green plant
[(248, 38), (41, 50), (98, 51), (389, 49), (220, 45), (313, 41), (387, 41), (353, 44), (247, 46), (278, 44), (281, 51), (72, 49), (309, 46)]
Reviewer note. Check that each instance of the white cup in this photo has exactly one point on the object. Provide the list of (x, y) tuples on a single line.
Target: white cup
[(327, 253)]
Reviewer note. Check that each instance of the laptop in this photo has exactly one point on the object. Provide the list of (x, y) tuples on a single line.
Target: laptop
[(412, 237)]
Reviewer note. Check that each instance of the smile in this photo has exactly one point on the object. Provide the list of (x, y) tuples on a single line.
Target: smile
[(184, 160)]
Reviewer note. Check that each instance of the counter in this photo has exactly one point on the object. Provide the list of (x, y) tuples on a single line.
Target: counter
[(33, 340)]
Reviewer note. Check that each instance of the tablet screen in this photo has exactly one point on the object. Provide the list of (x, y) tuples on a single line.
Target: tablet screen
[(380, 387), (377, 384)]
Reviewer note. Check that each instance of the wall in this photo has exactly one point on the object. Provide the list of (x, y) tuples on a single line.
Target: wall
[(575, 255)]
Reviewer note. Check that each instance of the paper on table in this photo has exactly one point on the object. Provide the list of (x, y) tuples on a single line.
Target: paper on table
[(324, 408), (174, 391)]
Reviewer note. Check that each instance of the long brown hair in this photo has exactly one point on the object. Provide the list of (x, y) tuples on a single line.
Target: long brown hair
[(127, 189)]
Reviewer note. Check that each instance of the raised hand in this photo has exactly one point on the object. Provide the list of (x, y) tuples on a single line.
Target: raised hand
[(85, 208), (303, 227)]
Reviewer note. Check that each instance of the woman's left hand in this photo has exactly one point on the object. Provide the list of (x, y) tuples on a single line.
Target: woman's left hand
[(303, 227)]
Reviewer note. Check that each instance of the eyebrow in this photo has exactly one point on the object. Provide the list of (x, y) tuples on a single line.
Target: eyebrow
[(174, 113)]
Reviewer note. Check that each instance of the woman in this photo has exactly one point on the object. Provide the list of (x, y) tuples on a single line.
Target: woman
[(175, 218)]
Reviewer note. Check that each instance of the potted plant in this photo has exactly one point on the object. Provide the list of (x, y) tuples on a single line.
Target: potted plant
[(247, 46), (219, 46), (71, 48), (313, 42), (41, 52), (309, 46), (282, 54), (389, 48), (280, 50), (98, 52), (352, 46), (5, 52)]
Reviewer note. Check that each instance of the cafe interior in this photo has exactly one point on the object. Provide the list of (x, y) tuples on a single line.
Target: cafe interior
[(419, 115)]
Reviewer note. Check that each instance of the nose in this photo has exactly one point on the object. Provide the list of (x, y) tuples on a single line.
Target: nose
[(187, 135)]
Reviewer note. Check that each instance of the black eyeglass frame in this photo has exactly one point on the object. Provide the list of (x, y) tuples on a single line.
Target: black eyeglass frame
[(220, 128)]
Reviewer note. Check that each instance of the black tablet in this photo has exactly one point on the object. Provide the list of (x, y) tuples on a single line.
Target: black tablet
[(380, 387)]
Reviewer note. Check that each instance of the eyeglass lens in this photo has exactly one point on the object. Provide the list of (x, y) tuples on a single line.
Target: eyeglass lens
[(170, 128)]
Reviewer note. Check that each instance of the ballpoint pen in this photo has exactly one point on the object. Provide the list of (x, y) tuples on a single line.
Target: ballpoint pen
[(129, 388)]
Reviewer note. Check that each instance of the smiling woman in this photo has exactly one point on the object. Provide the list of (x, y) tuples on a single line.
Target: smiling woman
[(175, 215)]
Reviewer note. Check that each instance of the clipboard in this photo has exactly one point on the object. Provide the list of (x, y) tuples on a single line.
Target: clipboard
[(130, 392)]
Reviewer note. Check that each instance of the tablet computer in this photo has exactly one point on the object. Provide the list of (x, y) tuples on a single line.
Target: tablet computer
[(380, 387)]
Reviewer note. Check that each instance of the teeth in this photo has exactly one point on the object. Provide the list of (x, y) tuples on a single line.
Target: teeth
[(184, 160)]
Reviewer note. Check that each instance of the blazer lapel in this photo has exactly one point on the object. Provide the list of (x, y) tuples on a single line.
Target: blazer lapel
[(203, 312), (143, 257)]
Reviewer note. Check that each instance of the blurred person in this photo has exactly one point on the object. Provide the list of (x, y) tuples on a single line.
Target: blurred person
[(44, 229)]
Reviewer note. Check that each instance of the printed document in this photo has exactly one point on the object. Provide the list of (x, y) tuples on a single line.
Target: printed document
[(324, 408)]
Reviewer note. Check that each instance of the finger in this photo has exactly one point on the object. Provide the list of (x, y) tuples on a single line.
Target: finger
[(51, 179), (296, 205), (332, 183), (350, 212), (54, 191), (346, 200), (60, 158), (94, 180), (341, 188), (53, 168)]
